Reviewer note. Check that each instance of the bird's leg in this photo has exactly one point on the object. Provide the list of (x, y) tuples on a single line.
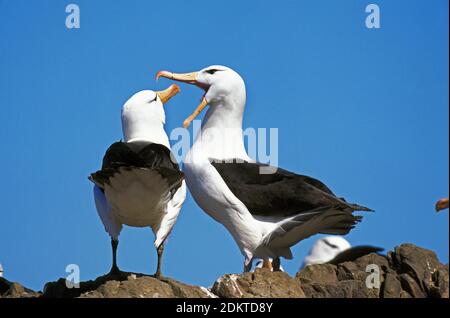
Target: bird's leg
[(276, 264), (248, 267), (160, 251), (267, 264), (114, 269)]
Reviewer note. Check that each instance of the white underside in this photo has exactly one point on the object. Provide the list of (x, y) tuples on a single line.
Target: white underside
[(216, 199), (221, 138), (139, 198)]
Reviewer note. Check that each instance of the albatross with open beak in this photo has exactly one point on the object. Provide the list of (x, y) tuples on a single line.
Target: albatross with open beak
[(139, 184), (265, 213)]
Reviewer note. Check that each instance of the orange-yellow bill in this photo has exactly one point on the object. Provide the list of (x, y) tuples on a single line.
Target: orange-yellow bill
[(190, 78), (168, 93), (196, 112), (442, 204)]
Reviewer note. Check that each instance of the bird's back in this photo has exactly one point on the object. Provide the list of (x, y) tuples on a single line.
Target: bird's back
[(138, 180)]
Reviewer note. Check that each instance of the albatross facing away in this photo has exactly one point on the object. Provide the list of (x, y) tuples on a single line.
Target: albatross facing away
[(265, 213), (139, 184)]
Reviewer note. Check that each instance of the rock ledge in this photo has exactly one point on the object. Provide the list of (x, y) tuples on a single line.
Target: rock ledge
[(406, 272)]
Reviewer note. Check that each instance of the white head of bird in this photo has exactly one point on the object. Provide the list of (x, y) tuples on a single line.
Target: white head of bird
[(224, 89), (325, 249), (220, 83), (221, 133), (143, 116)]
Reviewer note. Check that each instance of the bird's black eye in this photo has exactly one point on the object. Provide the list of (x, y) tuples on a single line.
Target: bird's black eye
[(211, 71), (154, 99)]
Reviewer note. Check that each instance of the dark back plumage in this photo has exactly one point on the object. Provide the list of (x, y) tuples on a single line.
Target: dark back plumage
[(138, 155), (282, 193), (354, 253)]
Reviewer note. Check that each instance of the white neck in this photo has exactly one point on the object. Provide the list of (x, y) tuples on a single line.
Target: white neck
[(148, 133), (221, 134)]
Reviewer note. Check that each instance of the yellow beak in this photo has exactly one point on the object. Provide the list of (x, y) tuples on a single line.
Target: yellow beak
[(190, 78), (442, 204), (196, 112), (168, 93)]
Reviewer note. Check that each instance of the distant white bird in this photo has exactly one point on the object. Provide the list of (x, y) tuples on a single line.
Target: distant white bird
[(1, 270), (139, 184), (335, 250), (325, 249), (265, 213)]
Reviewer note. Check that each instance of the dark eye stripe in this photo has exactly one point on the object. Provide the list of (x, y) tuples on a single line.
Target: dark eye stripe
[(212, 71), (329, 244)]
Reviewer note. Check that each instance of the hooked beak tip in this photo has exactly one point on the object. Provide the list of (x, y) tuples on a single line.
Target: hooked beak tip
[(168, 93), (162, 74)]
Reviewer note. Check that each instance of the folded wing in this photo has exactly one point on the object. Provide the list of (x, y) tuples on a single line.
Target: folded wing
[(281, 194), (123, 156)]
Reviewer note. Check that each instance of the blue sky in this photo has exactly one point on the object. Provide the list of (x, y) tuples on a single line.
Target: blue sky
[(365, 111)]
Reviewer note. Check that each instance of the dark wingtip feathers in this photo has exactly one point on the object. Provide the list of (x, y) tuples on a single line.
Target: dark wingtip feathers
[(357, 207)]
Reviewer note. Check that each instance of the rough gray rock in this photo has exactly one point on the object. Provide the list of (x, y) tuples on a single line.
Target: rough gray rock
[(15, 290), (419, 270), (407, 271), (127, 285), (261, 283)]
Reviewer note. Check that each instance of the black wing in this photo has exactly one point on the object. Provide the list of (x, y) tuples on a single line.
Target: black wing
[(138, 155), (353, 253), (282, 193)]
